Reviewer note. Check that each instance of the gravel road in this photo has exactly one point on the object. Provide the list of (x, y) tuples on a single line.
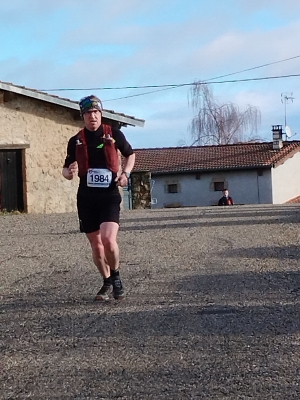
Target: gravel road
[(212, 310)]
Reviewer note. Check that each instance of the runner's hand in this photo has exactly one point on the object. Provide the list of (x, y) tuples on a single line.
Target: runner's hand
[(73, 169), (122, 180)]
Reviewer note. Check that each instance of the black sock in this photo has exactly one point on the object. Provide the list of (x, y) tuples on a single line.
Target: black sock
[(114, 273), (107, 281)]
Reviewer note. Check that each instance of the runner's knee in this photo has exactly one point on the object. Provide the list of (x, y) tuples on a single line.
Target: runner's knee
[(109, 243), (97, 248)]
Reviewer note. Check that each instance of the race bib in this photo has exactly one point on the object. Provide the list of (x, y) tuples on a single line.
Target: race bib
[(99, 177)]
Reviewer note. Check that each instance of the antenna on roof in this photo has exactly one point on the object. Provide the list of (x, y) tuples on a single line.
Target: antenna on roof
[(288, 132), (285, 98)]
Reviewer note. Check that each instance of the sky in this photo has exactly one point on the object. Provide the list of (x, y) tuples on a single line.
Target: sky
[(87, 46)]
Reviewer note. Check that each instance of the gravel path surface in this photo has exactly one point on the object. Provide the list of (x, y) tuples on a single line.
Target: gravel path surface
[(212, 310)]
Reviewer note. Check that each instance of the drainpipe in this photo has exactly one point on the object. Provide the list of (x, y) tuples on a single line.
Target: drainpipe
[(258, 195)]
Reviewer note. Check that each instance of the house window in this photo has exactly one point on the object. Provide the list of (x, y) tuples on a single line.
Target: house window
[(172, 188), (219, 186)]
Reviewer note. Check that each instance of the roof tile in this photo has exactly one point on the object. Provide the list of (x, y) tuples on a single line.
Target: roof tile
[(201, 158)]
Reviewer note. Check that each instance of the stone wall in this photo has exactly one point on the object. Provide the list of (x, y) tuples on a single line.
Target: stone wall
[(46, 129), (140, 190)]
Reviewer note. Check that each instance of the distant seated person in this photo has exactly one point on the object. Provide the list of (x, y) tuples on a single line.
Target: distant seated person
[(226, 200)]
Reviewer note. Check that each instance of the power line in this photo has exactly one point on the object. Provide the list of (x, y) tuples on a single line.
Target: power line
[(206, 83), (170, 86), (256, 79), (140, 94), (260, 66)]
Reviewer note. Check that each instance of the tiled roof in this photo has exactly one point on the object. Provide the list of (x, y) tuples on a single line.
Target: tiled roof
[(294, 200), (207, 158), (50, 98)]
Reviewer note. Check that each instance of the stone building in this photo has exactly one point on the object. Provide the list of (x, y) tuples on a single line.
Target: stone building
[(34, 130)]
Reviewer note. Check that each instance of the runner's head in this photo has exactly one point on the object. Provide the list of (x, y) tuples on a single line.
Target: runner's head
[(91, 111), (90, 102)]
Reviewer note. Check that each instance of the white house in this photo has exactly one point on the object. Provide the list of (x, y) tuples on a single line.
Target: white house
[(254, 173)]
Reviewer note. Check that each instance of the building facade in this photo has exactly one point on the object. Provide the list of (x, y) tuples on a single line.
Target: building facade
[(205, 189), (254, 173), (34, 131)]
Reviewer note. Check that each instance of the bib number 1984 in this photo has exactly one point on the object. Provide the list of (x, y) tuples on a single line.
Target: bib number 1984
[(99, 177)]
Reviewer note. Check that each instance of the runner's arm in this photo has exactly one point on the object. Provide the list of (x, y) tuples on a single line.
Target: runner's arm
[(129, 163), (70, 167)]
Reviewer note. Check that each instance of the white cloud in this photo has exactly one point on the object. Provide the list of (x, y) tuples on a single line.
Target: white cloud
[(71, 43)]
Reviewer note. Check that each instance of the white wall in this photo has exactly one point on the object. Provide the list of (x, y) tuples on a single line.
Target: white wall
[(245, 187), (286, 180)]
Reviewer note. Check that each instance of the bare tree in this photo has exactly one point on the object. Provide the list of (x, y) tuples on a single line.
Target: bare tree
[(221, 123)]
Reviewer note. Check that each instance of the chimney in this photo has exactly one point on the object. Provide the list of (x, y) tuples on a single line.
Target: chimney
[(277, 137)]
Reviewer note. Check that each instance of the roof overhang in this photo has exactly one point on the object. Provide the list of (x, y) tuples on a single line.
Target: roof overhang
[(35, 94), (209, 170)]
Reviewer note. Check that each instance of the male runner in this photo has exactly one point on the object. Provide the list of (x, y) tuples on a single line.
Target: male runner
[(98, 197)]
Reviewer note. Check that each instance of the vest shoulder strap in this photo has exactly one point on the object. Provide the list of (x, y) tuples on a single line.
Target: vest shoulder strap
[(81, 136), (107, 130)]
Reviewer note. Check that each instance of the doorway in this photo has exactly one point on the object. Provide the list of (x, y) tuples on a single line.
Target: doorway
[(11, 180)]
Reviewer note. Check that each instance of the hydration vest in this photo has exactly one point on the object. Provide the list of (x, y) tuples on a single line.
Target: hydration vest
[(110, 151)]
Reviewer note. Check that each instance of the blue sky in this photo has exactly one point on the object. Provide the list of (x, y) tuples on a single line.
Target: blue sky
[(117, 43)]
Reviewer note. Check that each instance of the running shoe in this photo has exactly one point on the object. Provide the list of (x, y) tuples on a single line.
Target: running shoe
[(118, 290), (104, 292)]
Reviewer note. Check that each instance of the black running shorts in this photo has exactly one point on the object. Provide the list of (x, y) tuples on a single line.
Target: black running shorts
[(94, 210)]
